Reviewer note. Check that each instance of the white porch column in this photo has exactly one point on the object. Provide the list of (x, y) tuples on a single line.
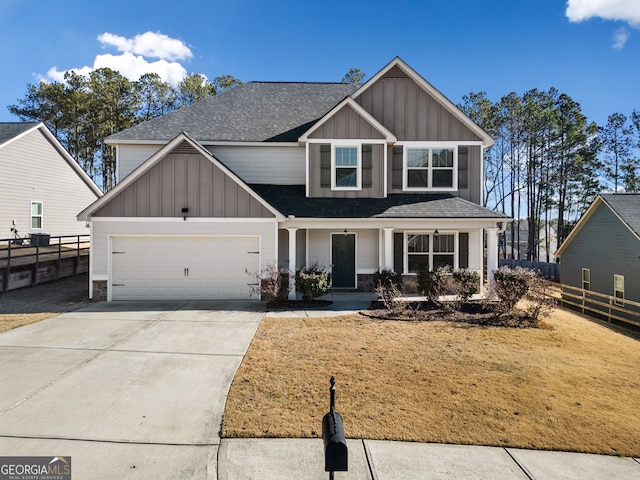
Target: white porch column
[(492, 253), (292, 261), (388, 247)]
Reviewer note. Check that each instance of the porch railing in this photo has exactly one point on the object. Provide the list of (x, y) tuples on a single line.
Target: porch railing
[(29, 254)]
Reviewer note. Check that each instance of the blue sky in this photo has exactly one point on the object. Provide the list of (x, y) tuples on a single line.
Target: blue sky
[(589, 49)]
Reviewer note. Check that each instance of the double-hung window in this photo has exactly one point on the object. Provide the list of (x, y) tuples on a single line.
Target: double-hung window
[(618, 289), (586, 279), (36, 215), (346, 167), (430, 168), (430, 251)]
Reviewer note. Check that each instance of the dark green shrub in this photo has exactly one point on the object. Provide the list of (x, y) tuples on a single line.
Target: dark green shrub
[(313, 281)]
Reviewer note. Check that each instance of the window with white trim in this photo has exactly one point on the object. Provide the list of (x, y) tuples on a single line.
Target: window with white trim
[(346, 167), (586, 279), (36, 215), (430, 251), (430, 168), (618, 289)]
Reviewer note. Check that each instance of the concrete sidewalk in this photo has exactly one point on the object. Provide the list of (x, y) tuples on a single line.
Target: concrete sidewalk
[(302, 459)]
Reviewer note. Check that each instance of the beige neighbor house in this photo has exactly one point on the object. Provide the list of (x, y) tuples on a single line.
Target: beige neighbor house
[(42, 188), (386, 175)]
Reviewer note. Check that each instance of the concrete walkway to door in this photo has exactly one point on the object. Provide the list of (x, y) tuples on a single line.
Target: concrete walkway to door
[(127, 389)]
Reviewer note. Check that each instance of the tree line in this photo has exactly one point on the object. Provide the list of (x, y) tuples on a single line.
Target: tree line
[(549, 162), (83, 110)]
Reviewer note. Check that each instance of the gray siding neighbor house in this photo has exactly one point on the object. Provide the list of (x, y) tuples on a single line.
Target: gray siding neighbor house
[(42, 188), (385, 175), (602, 253)]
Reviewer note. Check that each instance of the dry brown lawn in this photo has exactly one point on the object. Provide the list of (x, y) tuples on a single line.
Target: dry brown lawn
[(573, 387), (10, 321)]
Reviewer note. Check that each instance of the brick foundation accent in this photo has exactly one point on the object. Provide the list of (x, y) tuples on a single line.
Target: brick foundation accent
[(99, 290)]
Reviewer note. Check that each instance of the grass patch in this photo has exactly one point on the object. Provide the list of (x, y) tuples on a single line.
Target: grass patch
[(574, 386), (10, 321)]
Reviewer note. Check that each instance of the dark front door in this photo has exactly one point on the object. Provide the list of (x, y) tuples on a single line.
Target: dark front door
[(343, 258)]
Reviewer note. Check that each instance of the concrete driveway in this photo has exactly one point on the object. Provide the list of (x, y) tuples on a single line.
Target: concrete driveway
[(127, 389)]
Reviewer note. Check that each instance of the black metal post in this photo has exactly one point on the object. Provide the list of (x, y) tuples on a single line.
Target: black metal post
[(332, 410)]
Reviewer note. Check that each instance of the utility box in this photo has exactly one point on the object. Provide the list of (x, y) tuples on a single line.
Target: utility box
[(40, 239)]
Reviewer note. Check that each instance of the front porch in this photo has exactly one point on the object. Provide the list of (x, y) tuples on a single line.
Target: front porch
[(353, 249)]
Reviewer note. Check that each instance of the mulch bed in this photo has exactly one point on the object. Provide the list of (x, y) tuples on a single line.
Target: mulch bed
[(472, 313), (297, 304)]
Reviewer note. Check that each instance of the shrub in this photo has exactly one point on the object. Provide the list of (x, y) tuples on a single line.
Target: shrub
[(511, 284), (313, 281), (272, 283), (433, 284), (388, 286), (464, 283), (541, 303)]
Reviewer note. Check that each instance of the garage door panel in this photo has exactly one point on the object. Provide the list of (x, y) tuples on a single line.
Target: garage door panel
[(169, 268)]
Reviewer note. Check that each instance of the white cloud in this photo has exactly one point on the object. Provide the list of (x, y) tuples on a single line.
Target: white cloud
[(149, 44), (624, 10), (132, 62), (620, 37)]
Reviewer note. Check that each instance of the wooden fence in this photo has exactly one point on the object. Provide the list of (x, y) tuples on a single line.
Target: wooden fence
[(41, 259), (602, 306), (550, 271)]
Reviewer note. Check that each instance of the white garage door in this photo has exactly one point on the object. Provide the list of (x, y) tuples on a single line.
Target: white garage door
[(183, 268)]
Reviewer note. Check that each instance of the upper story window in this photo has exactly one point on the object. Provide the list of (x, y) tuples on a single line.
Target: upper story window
[(36, 215), (430, 167), (346, 167)]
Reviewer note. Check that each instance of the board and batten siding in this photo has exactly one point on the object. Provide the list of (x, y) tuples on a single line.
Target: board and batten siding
[(103, 230), (347, 124), (320, 172), (606, 247), (254, 164), (184, 180), (407, 110), (33, 169)]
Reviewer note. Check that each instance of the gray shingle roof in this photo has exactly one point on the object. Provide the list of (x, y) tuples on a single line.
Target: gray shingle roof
[(627, 207), (10, 130), (252, 112), (291, 200)]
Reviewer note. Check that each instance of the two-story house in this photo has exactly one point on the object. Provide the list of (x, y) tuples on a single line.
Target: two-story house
[(387, 175)]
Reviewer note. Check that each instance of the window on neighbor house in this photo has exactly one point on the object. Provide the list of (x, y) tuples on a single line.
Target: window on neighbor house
[(36, 214), (586, 279), (618, 289), (429, 168), (346, 167), (429, 252)]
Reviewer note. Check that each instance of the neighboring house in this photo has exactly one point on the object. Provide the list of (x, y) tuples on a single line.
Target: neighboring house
[(387, 175), (42, 188), (602, 252)]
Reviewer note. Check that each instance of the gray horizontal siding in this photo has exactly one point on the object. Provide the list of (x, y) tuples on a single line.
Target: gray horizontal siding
[(606, 247)]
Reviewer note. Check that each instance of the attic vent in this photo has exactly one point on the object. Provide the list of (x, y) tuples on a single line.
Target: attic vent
[(184, 148), (395, 72)]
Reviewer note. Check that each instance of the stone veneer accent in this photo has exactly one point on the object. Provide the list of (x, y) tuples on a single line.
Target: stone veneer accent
[(99, 290)]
